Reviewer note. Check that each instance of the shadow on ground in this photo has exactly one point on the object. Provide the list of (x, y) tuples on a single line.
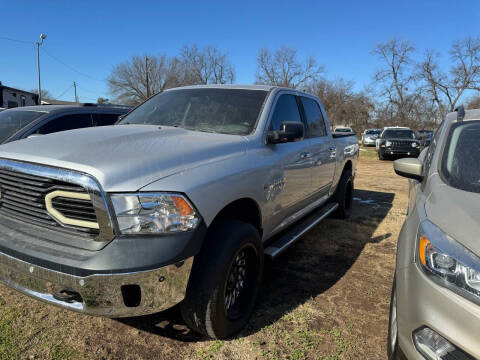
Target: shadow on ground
[(309, 268)]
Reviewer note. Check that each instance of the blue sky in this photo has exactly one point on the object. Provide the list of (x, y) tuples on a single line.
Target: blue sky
[(93, 36)]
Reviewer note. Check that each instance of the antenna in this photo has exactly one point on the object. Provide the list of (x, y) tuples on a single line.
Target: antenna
[(460, 113)]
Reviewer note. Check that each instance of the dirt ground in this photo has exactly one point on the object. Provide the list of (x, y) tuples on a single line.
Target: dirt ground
[(327, 297)]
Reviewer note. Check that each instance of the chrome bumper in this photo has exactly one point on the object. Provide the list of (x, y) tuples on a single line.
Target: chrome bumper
[(110, 295)]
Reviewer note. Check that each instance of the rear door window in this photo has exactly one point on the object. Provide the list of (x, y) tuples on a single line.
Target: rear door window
[(67, 122), (313, 114), (286, 109)]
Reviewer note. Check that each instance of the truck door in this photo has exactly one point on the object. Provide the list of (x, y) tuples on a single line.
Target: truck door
[(322, 147), (290, 177)]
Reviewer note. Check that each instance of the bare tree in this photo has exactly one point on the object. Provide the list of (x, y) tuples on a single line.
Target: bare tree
[(343, 105), (464, 75), (283, 68), (396, 78), (205, 66), (474, 103), (133, 81)]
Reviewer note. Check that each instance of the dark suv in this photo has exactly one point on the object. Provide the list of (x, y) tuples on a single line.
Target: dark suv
[(398, 142), (28, 121)]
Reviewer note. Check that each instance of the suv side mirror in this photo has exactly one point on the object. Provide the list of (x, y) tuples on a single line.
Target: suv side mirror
[(289, 131), (409, 167)]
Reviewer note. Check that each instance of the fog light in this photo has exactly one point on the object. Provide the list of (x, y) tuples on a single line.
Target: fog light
[(435, 347)]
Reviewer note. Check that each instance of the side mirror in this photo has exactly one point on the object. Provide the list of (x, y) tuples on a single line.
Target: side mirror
[(289, 131), (409, 167), (33, 136)]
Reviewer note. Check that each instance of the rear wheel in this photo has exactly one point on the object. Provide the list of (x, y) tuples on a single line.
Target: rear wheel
[(225, 279), (344, 195)]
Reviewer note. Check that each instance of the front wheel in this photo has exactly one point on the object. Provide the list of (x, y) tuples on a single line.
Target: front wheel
[(225, 279), (392, 342)]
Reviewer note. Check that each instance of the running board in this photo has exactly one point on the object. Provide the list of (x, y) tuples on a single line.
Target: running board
[(296, 231)]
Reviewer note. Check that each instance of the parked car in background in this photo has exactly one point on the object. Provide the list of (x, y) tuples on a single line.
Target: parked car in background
[(435, 302), (397, 142), (369, 136), (425, 137), (343, 129), (28, 121), (179, 201)]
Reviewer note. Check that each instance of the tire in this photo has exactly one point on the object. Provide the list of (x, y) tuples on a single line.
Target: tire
[(393, 352), (344, 195), (231, 260)]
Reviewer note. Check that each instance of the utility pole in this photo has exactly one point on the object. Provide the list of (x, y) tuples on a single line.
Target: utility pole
[(38, 43), (146, 72), (75, 90)]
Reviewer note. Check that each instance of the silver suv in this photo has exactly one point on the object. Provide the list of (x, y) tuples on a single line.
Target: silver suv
[(435, 303)]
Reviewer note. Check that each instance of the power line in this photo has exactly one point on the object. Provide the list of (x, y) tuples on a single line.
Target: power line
[(63, 93), (70, 67), (16, 40)]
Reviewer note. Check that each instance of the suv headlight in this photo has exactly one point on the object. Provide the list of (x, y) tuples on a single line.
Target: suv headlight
[(414, 144), (388, 143), (448, 263), (154, 213)]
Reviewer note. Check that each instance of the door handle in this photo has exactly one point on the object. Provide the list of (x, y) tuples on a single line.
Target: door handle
[(305, 155), (332, 149)]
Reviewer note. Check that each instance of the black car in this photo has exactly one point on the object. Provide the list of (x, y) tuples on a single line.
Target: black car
[(397, 142), (22, 122)]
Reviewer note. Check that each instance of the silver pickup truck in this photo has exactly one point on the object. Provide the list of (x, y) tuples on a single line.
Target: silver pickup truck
[(181, 200)]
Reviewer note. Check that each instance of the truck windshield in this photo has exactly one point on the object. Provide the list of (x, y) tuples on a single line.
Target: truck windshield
[(13, 120), (398, 134), (460, 164), (227, 111)]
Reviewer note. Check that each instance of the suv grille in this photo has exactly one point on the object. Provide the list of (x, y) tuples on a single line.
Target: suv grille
[(23, 198), (401, 145)]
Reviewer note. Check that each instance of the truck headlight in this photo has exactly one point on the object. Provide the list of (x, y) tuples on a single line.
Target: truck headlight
[(388, 143), (154, 213), (448, 263)]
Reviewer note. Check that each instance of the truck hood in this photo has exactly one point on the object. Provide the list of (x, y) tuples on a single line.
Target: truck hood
[(457, 213), (126, 157)]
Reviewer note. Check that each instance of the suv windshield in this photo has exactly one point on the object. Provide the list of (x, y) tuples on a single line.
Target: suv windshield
[(227, 111), (372, 132), (14, 120), (461, 157), (398, 134)]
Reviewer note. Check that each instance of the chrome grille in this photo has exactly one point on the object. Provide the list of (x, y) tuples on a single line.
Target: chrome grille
[(23, 198)]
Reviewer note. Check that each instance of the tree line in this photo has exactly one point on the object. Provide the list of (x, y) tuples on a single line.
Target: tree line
[(409, 88)]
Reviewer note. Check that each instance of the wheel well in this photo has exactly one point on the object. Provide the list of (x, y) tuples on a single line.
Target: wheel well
[(348, 166), (245, 209)]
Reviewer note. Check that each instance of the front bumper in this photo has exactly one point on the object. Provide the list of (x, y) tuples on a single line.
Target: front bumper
[(421, 302), (368, 142), (114, 295), (130, 276), (404, 152)]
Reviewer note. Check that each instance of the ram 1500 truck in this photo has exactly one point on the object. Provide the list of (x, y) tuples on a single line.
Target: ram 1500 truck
[(179, 202)]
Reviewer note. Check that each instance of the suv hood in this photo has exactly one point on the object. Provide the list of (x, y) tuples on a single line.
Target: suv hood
[(457, 213), (126, 157)]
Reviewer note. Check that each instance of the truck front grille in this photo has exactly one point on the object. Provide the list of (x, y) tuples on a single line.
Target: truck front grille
[(23, 198)]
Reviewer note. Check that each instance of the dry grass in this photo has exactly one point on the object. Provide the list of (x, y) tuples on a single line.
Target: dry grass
[(325, 298)]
